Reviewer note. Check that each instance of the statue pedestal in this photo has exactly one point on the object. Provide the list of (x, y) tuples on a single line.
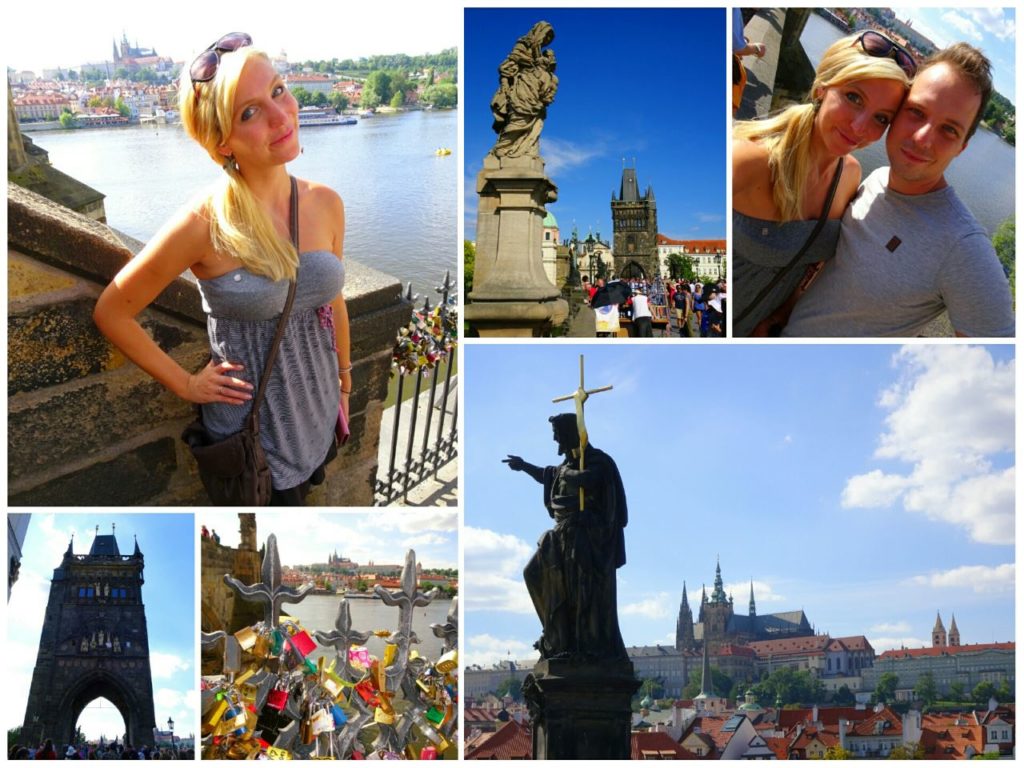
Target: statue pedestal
[(580, 710), (512, 296)]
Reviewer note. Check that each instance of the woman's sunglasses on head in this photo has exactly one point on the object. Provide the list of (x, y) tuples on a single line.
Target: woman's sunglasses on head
[(878, 45), (205, 66)]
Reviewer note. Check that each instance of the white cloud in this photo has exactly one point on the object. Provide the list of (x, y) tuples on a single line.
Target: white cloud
[(891, 627), (889, 643), (561, 155), (994, 21), (166, 665), (486, 650), (977, 578), (763, 593), (962, 24), (787, 439), (494, 571), (951, 416), (658, 606)]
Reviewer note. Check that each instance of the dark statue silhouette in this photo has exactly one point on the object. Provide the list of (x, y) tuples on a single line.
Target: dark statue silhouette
[(571, 577)]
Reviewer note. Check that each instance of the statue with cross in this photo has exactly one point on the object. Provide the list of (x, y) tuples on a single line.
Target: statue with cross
[(571, 577)]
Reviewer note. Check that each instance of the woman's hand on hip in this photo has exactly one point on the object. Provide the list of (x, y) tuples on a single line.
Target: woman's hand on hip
[(215, 384)]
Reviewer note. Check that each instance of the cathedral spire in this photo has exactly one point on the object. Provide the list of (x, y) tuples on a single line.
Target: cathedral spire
[(753, 607), (718, 593), (706, 683)]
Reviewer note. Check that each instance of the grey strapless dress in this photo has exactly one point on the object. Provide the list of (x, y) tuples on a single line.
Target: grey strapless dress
[(300, 406), (760, 249)]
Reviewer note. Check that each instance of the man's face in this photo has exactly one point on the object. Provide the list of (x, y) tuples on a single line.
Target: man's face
[(930, 129)]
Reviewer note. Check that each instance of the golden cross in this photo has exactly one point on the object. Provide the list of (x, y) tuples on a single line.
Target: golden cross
[(580, 397)]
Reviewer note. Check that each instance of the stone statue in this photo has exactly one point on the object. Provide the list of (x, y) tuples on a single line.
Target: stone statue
[(84, 646), (526, 86), (117, 644), (571, 576)]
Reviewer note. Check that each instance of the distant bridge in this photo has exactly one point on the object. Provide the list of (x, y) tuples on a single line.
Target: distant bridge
[(830, 17)]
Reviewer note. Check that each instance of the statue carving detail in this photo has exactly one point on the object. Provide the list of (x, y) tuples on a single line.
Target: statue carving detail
[(526, 86)]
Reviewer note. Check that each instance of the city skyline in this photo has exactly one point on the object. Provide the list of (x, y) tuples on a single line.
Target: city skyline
[(870, 508), (360, 536), (167, 544), (86, 37), (619, 104)]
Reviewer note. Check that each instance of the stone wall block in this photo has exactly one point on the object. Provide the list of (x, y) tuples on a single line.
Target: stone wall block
[(127, 479)]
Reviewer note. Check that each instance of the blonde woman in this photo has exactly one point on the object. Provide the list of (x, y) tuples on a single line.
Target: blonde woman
[(235, 239), (789, 167)]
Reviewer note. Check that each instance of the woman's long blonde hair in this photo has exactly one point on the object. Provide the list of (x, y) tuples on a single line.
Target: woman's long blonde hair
[(787, 135), (239, 226)]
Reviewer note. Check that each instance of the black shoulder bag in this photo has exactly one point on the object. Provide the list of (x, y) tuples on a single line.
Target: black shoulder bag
[(807, 244), (234, 470)]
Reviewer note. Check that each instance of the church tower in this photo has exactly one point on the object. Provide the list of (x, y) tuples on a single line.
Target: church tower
[(635, 229), (716, 612), (954, 633), (752, 610), (938, 633), (94, 643), (684, 625)]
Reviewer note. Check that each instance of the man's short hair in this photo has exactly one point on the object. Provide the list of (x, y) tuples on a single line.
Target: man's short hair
[(974, 65)]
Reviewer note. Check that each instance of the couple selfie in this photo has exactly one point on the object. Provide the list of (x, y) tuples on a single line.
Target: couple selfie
[(820, 251)]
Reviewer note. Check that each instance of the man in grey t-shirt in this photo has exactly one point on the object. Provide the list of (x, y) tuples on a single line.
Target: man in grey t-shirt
[(909, 248)]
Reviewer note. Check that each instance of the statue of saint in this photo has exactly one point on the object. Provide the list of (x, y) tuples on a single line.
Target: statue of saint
[(117, 644), (84, 647), (571, 576), (526, 86)]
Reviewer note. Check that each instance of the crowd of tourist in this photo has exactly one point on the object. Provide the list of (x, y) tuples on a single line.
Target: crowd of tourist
[(692, 308), (113, 751)]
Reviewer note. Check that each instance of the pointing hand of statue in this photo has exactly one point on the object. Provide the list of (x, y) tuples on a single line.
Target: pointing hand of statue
[(515, 463)]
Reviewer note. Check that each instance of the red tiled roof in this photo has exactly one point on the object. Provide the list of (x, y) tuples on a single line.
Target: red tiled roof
[(658, 745), (789, 718), (855, 643), (510, 742), (779, 745), (811, 646), (866, 727), (693, 245), (735, 650), (948, 650)]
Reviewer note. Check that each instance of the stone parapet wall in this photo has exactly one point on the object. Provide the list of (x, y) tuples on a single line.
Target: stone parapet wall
[(88, 427)]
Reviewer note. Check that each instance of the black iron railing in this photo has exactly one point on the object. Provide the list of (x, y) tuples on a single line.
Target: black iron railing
[(424, 356)]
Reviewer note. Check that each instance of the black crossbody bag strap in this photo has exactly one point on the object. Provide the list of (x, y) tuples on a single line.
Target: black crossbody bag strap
[(807, 244), (293, 228)]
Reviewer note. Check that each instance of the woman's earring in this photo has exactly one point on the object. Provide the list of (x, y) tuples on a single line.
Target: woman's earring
[(230, 164), (817, 105)]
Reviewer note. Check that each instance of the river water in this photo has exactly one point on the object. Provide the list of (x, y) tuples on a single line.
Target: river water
[(983, 175), (400, 198), (368, 615)]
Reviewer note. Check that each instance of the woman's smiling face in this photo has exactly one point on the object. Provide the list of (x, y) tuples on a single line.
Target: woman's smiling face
[(855, 114), (265, 121)]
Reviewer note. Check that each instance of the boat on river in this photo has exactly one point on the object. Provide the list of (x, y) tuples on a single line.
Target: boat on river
[(323, 116)]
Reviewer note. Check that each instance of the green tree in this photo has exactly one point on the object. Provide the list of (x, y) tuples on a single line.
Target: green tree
[(844, 696), (924, 688), (468, 262), (441, 95), (338, 100), (302, 96), (982, 693), (911, 751), (122, 109), (376, 89), (68, 120), (397, 99), (956, 691), (319, 99), (885, 690), (790, 686), (1004, 241), (680, 267), (510, 687), (838, 753), (1004, 693), (651, 687), (720, 682), (362, 586)]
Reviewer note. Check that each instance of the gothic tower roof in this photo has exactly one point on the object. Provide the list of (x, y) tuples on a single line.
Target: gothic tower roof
[(105, 546), (753, 607), (938, 623), (629, 191), (718, 593)]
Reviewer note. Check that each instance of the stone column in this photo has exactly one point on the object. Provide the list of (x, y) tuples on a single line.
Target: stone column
[(512, 295), (580, 710)]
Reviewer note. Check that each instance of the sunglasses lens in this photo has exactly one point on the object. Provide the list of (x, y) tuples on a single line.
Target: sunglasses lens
[(906, 62), (204, 67), (232, 42), (875, 44)]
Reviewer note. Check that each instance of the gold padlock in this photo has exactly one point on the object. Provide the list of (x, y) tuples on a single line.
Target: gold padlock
[(246, 638), (448, 662), (213, 718), (383, 718), (276, 753)]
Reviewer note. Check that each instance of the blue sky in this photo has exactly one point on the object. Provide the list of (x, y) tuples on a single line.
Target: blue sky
[(869, 485), (361, 536), (647, 83), (167, 542), (991, 29), (83, 35)]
